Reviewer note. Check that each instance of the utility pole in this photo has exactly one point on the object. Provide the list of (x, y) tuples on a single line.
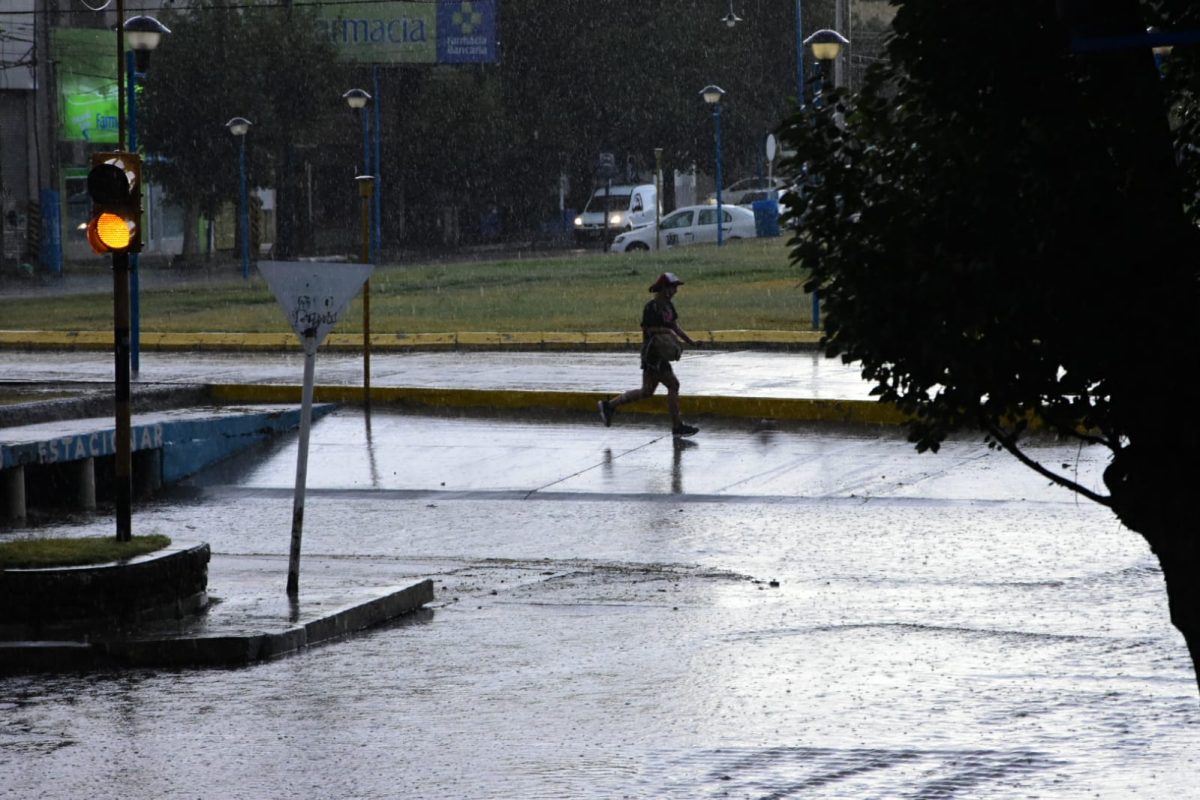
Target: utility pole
[(841, 20)]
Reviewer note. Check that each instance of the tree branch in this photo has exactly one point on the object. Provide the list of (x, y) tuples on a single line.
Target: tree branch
[(1009, 443)]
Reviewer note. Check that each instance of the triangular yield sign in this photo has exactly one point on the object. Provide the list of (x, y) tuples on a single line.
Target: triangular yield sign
[(314, 294)]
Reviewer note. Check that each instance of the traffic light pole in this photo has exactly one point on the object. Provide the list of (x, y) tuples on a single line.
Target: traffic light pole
[(123, 455)]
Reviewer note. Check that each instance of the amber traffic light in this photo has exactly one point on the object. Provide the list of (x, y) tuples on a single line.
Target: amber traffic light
[(115, 187)]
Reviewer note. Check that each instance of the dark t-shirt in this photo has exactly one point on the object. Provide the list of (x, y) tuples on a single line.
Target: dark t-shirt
[(656, 314)]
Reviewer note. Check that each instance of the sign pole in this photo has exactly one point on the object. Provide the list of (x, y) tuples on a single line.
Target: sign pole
[(366, 185), (123, 457), (310, 360), (658, 189), (313, 297)]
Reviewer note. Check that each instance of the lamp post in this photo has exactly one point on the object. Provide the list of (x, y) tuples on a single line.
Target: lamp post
[(239, 127), (366, 185), (142, 35), (376, 208), (712, 95), (658, 189), (799, 57), (1160, 50), (731, 19), (826, 46), (357, 99)]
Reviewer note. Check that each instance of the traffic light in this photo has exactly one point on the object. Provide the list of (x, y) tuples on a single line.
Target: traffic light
[(115, 186)]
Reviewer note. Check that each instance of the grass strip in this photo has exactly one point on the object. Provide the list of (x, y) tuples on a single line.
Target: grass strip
[(74, 552), (745, 285)]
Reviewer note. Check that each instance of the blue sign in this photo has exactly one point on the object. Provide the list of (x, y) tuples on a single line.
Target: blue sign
[(51, 254), (466, 32)]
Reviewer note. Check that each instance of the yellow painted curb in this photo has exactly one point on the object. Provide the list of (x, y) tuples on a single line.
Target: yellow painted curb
[(859, 412)]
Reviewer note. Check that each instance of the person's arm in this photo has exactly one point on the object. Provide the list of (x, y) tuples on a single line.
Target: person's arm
[(678, 331)]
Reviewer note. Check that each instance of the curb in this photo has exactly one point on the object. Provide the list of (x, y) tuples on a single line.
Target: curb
[(220, 650), (399, 342), (859, 412)]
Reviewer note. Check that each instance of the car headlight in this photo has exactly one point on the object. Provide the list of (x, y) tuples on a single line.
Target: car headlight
[(616, 219)]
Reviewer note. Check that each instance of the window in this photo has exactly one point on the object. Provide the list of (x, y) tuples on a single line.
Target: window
[(682, 219), (709, 216)]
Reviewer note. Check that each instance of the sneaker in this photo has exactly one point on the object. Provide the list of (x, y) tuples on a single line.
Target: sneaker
[(684, 430), (606, 412)]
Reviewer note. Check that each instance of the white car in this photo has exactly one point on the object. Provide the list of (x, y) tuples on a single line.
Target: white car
[(747, 190), (689, 225)]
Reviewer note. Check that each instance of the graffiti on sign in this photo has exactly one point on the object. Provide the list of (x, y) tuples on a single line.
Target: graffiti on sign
[(311, 312)]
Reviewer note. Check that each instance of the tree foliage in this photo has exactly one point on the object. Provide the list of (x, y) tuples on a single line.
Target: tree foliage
[(1003, 239), (573, 80), (222, 61)]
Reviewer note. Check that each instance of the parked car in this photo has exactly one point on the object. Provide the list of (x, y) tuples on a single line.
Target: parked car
[(625, 206), (688, 225), (747, 190)]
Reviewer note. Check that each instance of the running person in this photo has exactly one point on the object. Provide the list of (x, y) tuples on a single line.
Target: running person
[(658, 318)]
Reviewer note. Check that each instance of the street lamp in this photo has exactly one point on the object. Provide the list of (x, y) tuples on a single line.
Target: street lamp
[(142, 34), (239, 126), (712, 95), (826, 46), (358, 99), (731, 19), (1160, 51)]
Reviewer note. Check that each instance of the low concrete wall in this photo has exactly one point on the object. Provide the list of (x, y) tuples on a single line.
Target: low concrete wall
[(41, 603)]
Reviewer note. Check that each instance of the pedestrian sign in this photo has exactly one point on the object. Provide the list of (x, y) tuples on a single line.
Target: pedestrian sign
[(313, 295)]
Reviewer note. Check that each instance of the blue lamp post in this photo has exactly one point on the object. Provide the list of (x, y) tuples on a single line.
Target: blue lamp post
[(142, 34), (799, 57), (239, 126), (712, 95), (826, 46)]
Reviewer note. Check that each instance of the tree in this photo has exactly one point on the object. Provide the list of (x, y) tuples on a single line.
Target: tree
[(221, 61), (580, 79), (1002, 239)]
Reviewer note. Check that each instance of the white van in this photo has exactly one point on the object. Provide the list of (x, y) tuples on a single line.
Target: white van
[(626, 207)]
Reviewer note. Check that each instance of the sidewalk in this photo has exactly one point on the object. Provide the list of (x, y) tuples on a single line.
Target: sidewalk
[(743, 383)]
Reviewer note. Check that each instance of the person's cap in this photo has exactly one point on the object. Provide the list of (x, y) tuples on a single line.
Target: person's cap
[(665, 280)]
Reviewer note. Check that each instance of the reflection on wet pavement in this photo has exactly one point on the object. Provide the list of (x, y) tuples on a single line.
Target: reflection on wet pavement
[(606, 626)]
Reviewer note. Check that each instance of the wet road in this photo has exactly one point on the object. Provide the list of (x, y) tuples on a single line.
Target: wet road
[(702, 372), (943, 626)]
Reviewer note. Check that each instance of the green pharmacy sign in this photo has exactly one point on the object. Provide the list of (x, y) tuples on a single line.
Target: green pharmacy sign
[(87, 84), (378, 32)]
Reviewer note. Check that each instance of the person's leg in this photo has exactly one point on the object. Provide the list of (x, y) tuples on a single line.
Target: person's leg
[(649, 384), (609, 407), (678, 426), (672, 384)]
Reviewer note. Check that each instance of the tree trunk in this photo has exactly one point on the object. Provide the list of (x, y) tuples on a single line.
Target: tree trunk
[(191, 221), (285, 201), (1180, 561), (1152, 492)]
